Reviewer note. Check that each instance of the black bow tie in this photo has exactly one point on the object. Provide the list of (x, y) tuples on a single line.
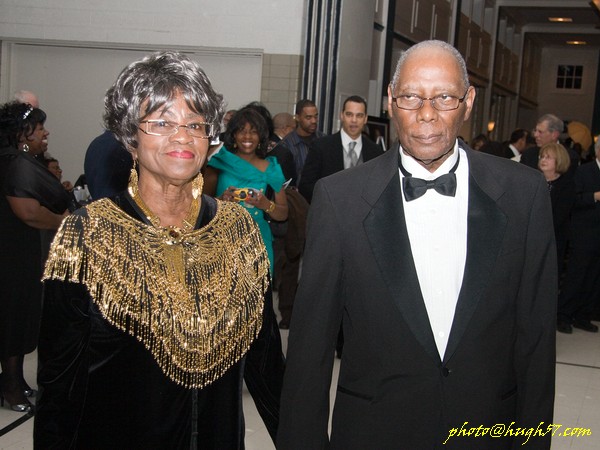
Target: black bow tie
[(416, 187)]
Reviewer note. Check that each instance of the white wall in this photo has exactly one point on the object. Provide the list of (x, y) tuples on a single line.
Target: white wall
[(569, 104), (106, 35), (71, 82), (275, 26)]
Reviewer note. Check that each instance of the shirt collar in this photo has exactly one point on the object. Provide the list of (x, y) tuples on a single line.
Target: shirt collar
[(347, 139), (417, 170)]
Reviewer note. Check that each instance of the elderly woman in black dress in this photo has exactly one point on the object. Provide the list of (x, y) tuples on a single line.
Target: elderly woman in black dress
[(153, 297), (32, 199)]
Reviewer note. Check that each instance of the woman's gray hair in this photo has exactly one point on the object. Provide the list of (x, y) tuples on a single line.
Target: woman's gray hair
[(147, 85), (432, 44)]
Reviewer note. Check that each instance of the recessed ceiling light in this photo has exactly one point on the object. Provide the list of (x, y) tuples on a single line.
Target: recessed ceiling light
[(576, 42), (560, 19)]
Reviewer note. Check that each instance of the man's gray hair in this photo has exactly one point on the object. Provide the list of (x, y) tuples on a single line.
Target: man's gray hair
[(432, 44), (553, 122)]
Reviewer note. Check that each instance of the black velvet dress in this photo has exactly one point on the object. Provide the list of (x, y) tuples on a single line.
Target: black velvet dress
[(20, 249), (100, 387), (562, 196)]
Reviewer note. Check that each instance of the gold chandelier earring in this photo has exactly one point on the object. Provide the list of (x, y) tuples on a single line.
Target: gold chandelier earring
[(197, 186), (132, 186)]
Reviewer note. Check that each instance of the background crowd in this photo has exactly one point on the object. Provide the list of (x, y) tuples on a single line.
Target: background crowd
[(238, 184)]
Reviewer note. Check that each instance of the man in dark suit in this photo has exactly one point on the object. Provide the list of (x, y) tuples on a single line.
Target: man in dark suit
[(447, 300), (299, 140), (283, 124), (516, 145), (547, 130), (339, 151), (107, 166), (581, 288)]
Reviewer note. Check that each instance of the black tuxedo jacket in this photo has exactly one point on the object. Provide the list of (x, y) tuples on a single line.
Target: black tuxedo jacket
[(107, 166), (394, 390), (585, 221), (326, 157), (286, 161), (506, 151)]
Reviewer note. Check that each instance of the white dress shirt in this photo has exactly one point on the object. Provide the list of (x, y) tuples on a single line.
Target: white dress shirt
[(437, 231), (357, 149)]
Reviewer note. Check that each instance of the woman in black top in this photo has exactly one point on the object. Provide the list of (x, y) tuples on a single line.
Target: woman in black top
[(32, 199)]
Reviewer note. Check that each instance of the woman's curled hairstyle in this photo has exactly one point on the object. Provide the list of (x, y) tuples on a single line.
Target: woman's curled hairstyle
[(145, 86), (247, 115), (18, 120)]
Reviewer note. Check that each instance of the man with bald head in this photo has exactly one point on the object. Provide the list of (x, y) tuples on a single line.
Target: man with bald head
[(283, 124), (440, 263), (29, 97)]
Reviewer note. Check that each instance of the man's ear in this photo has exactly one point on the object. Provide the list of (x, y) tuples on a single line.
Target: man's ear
[(390, 101), (470, 101)]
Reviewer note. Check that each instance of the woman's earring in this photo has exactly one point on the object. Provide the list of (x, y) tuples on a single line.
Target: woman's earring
[(25, 148), (197, 185), (132, 187)]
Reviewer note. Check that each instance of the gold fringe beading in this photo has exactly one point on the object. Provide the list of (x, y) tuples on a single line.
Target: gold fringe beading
[(195, 305)]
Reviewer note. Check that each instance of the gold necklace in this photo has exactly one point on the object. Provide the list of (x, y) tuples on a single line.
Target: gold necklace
[(196, 307), (172, 235)]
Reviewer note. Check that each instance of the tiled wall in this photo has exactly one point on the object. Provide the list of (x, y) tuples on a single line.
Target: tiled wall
[(281, 82)]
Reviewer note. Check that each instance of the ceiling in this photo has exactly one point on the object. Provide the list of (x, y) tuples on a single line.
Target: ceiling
[(532, 17)]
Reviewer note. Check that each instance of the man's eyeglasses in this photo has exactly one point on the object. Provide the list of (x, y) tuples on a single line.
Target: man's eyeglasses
[(201, 130), (442, 102)]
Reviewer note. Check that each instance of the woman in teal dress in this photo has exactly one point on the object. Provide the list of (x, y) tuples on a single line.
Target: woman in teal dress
[(242, 164)]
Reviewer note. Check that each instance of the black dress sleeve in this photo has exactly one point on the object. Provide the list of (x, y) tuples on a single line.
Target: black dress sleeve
[(62, 364), (28, 178), (263, 370)]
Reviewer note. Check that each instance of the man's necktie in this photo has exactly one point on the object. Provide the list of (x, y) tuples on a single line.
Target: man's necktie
[(352, 153), (416, 187)]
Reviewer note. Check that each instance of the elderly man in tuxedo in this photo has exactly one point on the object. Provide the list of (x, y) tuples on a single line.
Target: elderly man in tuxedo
[(441, 263)]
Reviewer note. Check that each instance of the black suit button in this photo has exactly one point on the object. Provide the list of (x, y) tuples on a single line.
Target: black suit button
[(445, 371)]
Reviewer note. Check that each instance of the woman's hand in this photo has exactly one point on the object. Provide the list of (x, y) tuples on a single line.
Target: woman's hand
[(258, 200), (227, 195)]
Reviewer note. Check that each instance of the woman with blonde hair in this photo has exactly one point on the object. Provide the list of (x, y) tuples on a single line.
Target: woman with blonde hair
[(554, 162)]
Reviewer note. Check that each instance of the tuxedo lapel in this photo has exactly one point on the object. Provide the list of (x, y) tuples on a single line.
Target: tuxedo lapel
[(337, 154), (486, 225), (370, 150), (387, 234)]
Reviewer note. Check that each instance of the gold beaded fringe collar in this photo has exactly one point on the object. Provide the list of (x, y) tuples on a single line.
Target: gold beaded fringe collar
[(195, 305)]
